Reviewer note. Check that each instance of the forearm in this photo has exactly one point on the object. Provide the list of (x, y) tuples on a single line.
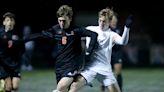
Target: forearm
[(123, 40), (32, 37), (29, 38), (93, 41), (83, 32)]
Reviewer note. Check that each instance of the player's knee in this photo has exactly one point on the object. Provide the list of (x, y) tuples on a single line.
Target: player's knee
[(8, 87), (114, 88), (15, 87), (56, 91), (118, 71), (2, 85), (75, 86), (62, 87), (15, 83)]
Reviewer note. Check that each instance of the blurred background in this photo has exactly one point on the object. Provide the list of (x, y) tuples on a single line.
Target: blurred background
[(146, 45), (143, 56)]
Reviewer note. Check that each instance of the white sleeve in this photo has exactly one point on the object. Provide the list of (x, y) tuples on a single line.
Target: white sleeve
[(122, 40), (88, 39)]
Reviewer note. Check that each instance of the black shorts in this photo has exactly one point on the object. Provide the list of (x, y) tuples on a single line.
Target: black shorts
[(117, 57), (66, 68), (66, 73), (7, 72)]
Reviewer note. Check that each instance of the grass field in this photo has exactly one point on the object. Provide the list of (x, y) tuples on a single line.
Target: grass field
[(135, 80)]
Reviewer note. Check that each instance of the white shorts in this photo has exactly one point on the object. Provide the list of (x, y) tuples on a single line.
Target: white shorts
[(106, 80)]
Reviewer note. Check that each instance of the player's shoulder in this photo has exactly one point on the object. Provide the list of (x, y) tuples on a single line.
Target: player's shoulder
[(55, 27), (92, 28), (111, 32)]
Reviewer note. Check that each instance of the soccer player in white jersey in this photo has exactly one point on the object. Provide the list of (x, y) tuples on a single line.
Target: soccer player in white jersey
[(117, 54), (99, 66)]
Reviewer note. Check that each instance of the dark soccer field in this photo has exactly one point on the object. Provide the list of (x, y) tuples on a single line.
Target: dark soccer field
[(135, 80)]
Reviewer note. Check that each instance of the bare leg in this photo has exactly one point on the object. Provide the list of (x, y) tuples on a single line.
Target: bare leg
[(113, 88), (64, 84), (118, 70), (79, 83), (15, 83), (2, 85), (103, 88), (8, 84)]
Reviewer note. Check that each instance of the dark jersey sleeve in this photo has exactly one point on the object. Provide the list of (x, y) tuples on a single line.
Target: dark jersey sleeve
[(43, 34), (29, 38), (51, 32), (83, 32)]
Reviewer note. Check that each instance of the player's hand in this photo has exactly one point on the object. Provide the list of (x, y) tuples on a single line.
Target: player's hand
[(10, 43), (46, 33), (129, 21)]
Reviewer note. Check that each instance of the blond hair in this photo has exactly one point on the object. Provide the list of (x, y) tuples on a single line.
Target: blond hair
[(107, 12)]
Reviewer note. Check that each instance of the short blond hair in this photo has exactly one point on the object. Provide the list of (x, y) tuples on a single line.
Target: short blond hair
[(107, 12)]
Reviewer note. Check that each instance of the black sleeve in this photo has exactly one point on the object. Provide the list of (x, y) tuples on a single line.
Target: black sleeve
[(34, 37), (45, 34), (50, 33), (83, 32), (31, 37)]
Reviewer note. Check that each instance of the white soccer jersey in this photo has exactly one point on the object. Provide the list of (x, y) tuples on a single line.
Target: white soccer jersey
[(102, 56)]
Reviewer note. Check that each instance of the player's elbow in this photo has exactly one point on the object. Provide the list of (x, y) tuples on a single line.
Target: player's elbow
[(95, 35), (122, 42), (125, 43)]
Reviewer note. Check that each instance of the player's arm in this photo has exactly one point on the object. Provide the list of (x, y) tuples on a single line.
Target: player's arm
[(123, 40), (42, 34), (83, 32), (29, 38)]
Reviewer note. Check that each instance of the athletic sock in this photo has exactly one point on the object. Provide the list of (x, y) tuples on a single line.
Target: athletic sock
[(119, 80)]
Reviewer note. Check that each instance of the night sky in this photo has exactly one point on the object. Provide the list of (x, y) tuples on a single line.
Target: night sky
[(41, 14)]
